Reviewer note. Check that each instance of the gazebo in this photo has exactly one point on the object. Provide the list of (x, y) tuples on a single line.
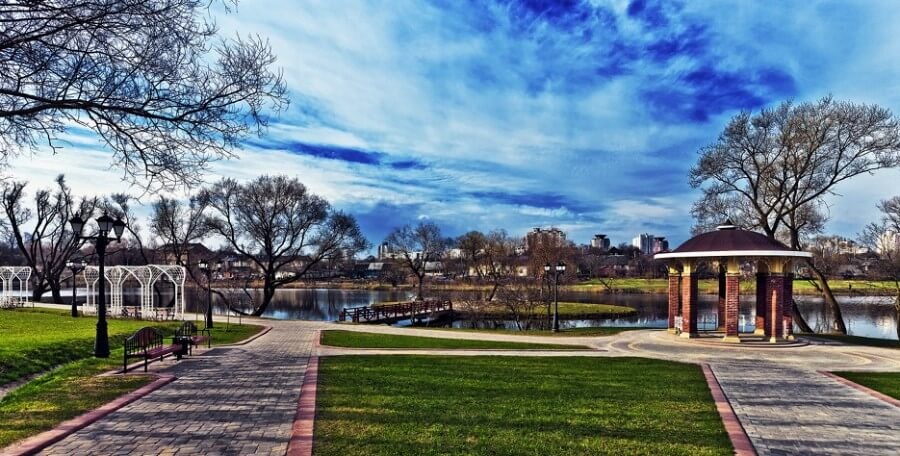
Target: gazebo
[(724, 251)]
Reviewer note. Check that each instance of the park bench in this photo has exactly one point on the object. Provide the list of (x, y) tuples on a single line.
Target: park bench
[(189, 333), (147, 343)]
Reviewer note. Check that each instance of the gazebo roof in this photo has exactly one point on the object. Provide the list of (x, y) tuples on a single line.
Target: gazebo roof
[(730, 241)]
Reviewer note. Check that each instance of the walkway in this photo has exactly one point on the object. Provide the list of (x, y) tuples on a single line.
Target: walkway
[(236, 400), (242, 400)]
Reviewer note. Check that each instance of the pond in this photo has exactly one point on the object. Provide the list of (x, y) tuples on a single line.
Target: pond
[(865, 316)]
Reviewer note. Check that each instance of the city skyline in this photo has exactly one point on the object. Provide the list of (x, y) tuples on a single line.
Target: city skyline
[(584, 117)]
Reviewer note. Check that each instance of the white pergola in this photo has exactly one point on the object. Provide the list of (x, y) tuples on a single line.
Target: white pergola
[(11, 295), (146, 277)]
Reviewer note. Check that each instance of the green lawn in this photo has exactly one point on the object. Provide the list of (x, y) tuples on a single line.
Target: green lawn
[(566, 310), (355, 339), (415, 405), (711, 286), (566, 332), (856, 340), (884, 382), (35, 341)]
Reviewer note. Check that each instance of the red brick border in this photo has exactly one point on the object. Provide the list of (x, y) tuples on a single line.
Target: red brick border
[(301, 443), (38, 442), (736, 433), (865, 389)]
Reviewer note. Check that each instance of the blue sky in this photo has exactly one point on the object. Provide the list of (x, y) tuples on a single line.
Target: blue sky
[(582, 115)]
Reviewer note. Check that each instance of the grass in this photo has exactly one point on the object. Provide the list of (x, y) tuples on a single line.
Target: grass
[(857, 340), (422, 405), (356, 339), (884, 382), (52, 338), (566, 332), (711, 286)]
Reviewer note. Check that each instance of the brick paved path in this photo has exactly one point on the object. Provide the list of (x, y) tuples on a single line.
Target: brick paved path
[(792, 411), (239, 400)]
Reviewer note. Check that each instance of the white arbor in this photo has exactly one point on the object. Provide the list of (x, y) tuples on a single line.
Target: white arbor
[(14, 285), (147, 277)]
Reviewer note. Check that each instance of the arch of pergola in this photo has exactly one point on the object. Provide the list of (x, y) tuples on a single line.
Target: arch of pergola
[(146, 276), (725, 250), (14, 285)]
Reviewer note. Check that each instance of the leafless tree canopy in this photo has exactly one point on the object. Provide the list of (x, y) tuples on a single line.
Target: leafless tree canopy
[(880, 237), (417, 246), (274, 221), (490, 256), (50, 242), (149, 77), (771, 171)]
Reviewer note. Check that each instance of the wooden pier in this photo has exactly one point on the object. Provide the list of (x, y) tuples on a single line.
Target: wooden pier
[(388, 313)]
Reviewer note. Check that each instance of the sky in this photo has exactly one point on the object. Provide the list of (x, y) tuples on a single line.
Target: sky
[(584, 115)]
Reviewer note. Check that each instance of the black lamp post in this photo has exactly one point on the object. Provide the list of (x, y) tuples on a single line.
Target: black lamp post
[(75, 267), (205, 267), (559, 269), (106, 226)]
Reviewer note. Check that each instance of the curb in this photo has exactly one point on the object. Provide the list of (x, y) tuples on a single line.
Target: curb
[(38, 442), (864, 389), (736, 432), (301, 443), (265, 330)]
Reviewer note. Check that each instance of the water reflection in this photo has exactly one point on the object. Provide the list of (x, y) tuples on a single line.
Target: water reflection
[(865, 316)]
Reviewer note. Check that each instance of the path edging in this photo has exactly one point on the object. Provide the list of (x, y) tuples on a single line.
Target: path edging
[(301, 443), (62, 430), (736, 433), (862, 388), (263, 332)]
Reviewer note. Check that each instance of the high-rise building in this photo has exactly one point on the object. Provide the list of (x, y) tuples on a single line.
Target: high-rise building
[(600, 241), (889, 243), (384, 251), (660, 244), (551, 237), (644, 242)]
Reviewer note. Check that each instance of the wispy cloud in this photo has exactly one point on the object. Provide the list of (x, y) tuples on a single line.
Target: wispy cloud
[(581, 114)]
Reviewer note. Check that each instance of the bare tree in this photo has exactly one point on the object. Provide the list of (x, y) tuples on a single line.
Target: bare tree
[(417, 246), (178, 224), (118, 205), (148, 77), (882, 237), (276, 223), (772, 171), (50, 242)]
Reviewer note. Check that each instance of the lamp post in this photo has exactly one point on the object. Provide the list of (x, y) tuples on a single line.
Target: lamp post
[(106, 226), (206, 269), (75, 267), (559, 269)]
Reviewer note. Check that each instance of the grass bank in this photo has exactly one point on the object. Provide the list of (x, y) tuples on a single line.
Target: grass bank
[(711, 286), (567, 310), (394, 405), (856, 340), (57, 339), (566, 332), (356, 339), (884, 382)]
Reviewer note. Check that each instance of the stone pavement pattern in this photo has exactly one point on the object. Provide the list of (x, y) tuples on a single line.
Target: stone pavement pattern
[(230, 400), (242, 400)]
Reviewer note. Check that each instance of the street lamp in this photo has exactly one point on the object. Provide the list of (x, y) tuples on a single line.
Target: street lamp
[(106, 226), (75, 267), (206, 269), (559, 269)]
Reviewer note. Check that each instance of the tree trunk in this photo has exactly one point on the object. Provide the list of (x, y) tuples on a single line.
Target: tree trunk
[(268, 294), (56, 293), (830, 300), (493, 291), (38, 291), (798, 318), (421, 295)]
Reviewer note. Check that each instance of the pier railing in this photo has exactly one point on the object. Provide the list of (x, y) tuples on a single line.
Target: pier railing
[(399, 311)]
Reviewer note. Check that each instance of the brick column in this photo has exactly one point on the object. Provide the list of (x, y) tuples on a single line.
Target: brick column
[(732, 307), (761, 301), (788, 309), (674, 298), (722, 294), (689, 305), (775, 305)]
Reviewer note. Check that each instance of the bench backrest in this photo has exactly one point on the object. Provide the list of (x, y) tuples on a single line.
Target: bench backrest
[(187, 329), (145, 338)]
